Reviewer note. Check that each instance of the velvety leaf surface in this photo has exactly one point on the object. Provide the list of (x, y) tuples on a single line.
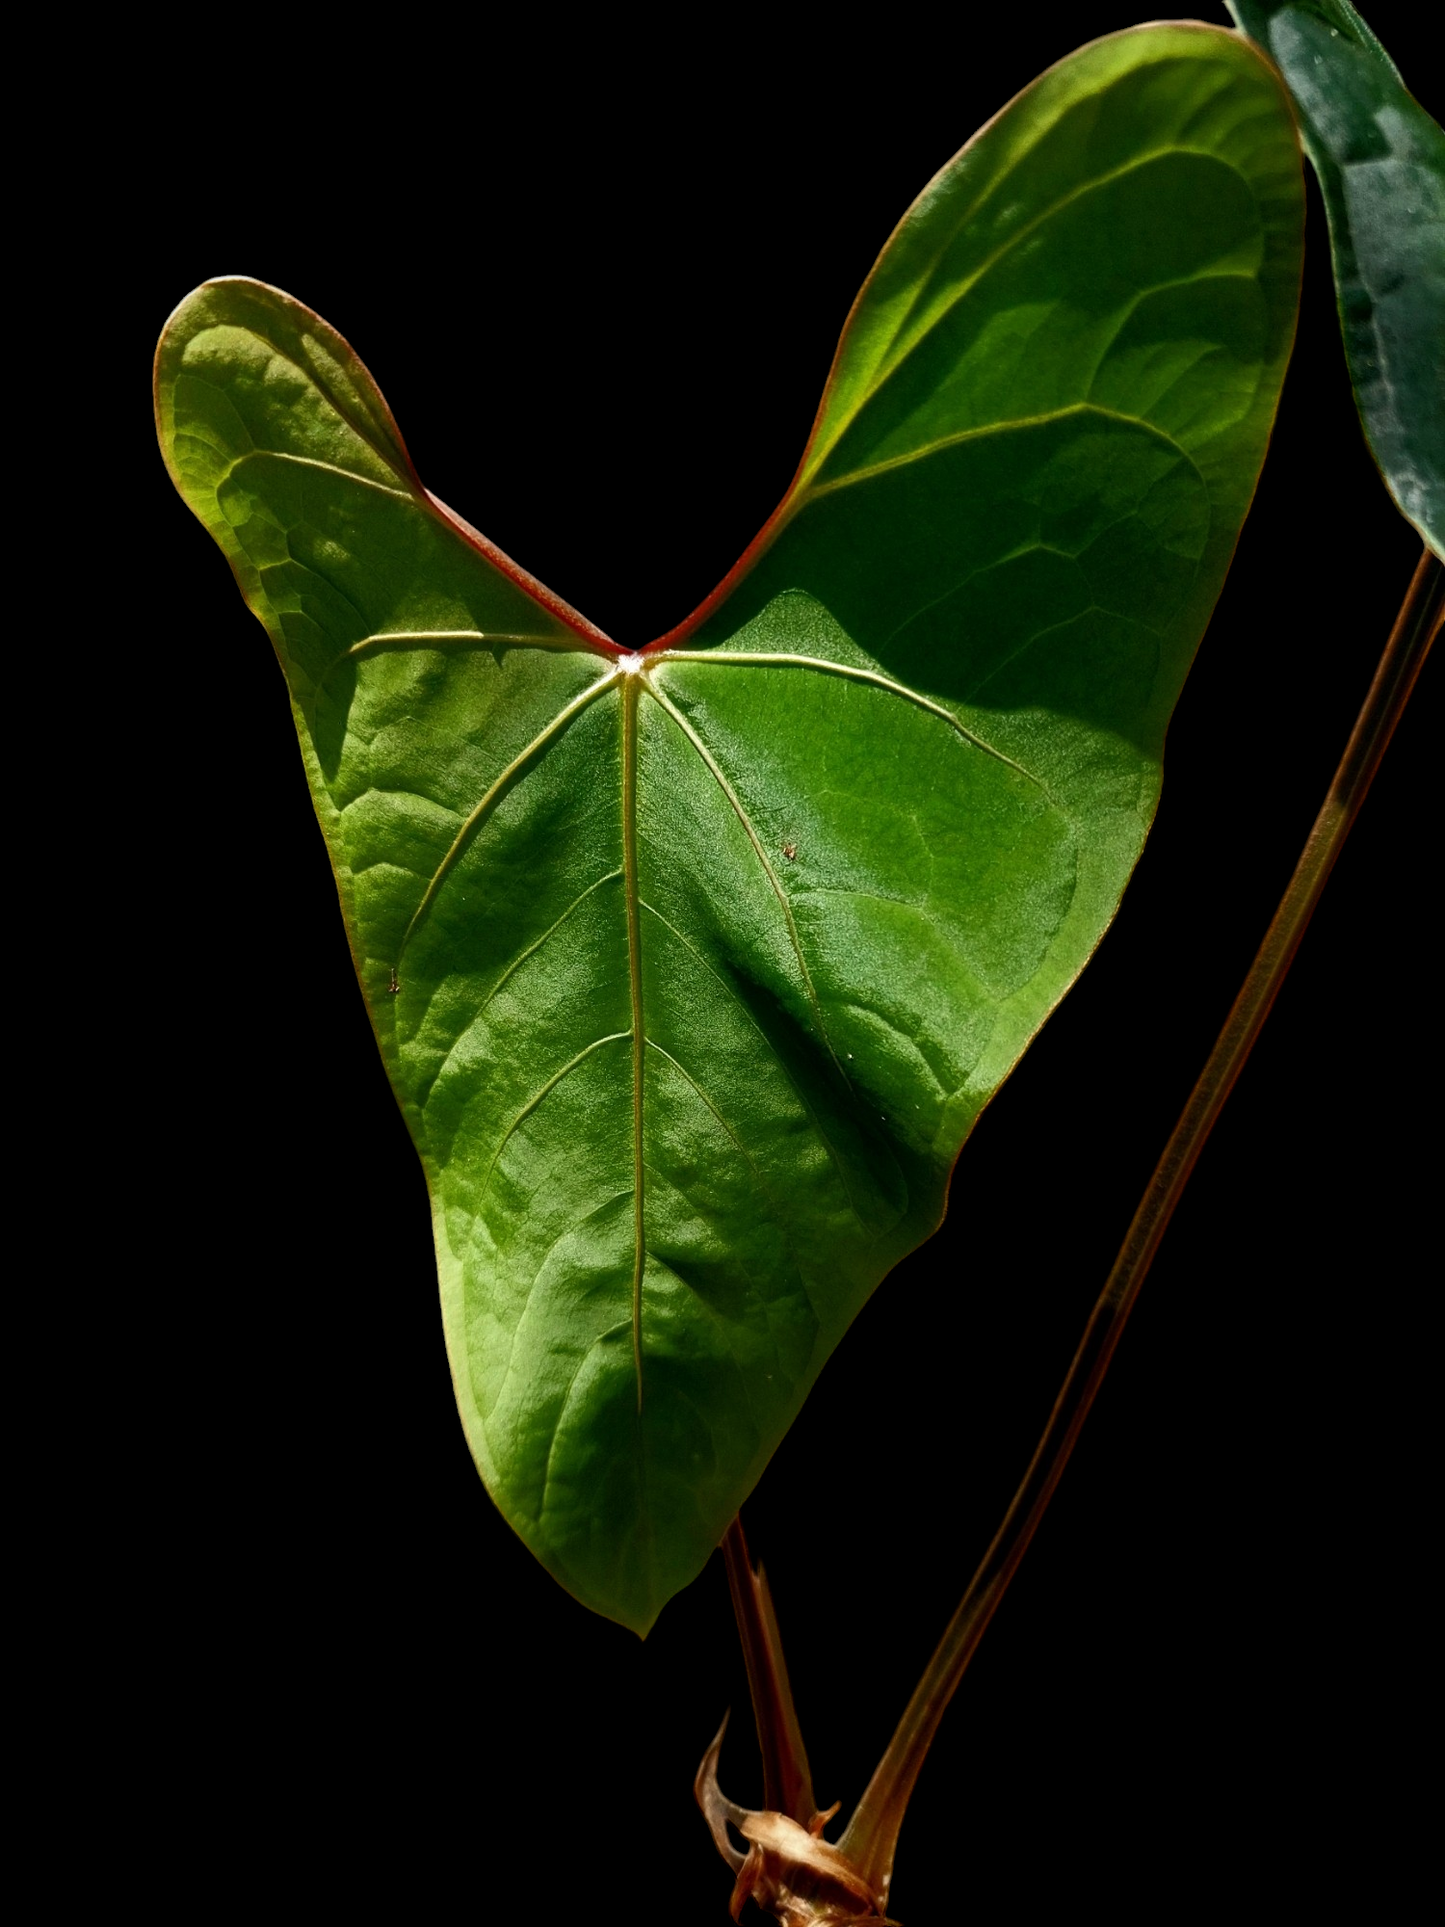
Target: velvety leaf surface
[(693, 967), (1381, 164)]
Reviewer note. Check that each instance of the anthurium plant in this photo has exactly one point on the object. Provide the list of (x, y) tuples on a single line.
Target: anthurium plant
[(695, 951)]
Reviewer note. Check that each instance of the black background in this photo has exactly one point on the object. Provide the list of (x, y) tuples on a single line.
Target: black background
[(599, 279)]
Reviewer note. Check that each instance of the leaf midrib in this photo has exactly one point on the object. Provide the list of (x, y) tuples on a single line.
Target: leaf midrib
[(632, 899)]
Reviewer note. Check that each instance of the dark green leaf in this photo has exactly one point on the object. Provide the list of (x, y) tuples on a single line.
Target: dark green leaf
[(693, 969), (1381, 163)]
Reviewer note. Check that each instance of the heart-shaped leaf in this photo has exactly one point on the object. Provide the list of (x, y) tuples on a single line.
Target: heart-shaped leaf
[(1380, 159), (692, 967)]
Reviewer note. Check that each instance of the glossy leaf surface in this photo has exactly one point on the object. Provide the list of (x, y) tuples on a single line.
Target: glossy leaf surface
[(693, 967), (1381, 164)]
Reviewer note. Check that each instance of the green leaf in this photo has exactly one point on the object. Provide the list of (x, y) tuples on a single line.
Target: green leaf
[(1381, 164), (693, 968)]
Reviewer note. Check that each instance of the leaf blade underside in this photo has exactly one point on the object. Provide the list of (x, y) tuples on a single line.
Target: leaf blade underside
[(706, 959), (1380, 159)]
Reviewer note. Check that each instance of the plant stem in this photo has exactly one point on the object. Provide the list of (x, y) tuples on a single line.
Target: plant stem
[(787, 1783), (872, 1834)]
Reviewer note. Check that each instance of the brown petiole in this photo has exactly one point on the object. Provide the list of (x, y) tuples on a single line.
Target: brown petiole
[(789, 1870)]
